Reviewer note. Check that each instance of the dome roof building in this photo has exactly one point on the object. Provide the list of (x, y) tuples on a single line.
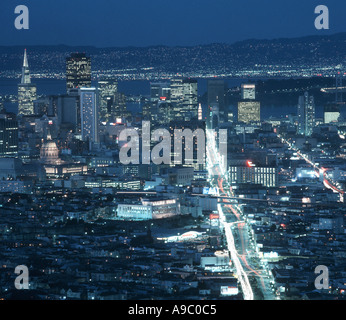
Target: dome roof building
[(49, 152)]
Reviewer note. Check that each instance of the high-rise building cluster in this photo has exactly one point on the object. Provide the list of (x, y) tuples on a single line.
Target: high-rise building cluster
[(274, 202)]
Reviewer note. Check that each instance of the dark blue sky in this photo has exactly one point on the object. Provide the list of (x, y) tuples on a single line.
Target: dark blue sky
[(105, 23)]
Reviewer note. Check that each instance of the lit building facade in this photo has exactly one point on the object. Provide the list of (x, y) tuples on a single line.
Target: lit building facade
[(107, 90), (26, 91), (78, 71), (266, 176), (249, 111), (331, 113), (149, 209), (89, 115), (184, 98), (248, 91), (190, 99), (8, 136), (306, 114), (216, 95)]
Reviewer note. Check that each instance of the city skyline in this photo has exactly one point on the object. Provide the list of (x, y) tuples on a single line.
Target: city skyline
[(195, 174)]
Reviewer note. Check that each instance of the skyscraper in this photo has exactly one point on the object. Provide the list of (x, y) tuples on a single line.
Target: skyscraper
[(216, 94), (161, 108), (249, 110), (177, 97), (26, 90), (67, 110), (177, 90), (248, 91), (306, 114), (120, 107), (8, 135), (184, 98), (160, 91), (190, 99), (107, 90), (78, 71), (331, 112), (214, 115), (89, 115)]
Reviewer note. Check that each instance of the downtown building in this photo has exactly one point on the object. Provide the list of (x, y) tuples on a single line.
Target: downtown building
[(248, 172), (8, 135), (306, 114), (26, 91), (161, 108), (249, 110), (331, 112), (89, 115), (190, 99), (107, 94), (184, 98), (149, 209), (78, 71), (216, 111)]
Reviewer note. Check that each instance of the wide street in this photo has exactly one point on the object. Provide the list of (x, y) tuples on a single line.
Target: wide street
[(255, 279)]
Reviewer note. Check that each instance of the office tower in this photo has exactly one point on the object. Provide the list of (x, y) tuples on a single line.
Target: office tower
[(67, 106), (177, 97), (26, 90), (214, 116), (248, 172), (331, 112), (78, 71), (165, 112), (89, 115), (160, 103), (160, 91), (249, 110), (146, 111), (306, 114), (184, 98), (216, 94), (190, 99), (120, 107), (177, 91), (8, 135), (248, 91), (107, 89), (41, 106)]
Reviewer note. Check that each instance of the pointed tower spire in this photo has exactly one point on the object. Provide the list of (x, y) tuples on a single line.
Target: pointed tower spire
[(25, 63), (25, 70)]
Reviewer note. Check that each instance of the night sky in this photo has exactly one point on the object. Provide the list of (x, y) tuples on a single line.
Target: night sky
[(114, 23)]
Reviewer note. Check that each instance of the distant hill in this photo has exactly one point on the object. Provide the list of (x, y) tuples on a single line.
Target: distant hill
[(295, 53)]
